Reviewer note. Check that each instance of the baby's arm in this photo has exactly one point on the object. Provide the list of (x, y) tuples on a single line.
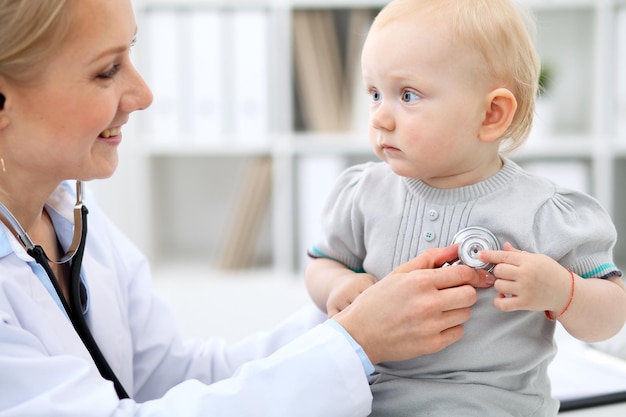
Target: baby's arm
[(333, 286), (592, 310)]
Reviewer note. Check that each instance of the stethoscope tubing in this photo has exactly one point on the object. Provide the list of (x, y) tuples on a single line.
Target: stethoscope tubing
[(79, 322), (75, 253), (75, 309)]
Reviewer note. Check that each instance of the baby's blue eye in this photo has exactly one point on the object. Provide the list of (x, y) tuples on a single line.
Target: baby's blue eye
[(376, 96), (410, 96)]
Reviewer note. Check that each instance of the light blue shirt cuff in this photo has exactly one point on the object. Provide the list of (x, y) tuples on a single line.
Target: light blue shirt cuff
[(367, 364)]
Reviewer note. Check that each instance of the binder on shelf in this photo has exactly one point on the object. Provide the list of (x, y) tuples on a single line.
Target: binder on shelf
[(249, 212), (250, 78), (163, 75), (318, 70), (356, 99), (330, 93), (305, 76), (204, 75), (208, 69)]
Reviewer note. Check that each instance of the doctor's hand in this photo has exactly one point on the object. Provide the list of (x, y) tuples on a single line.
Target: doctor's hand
[(417, 309)]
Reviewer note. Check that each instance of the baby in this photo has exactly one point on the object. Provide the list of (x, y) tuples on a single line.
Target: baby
[(452, 86)]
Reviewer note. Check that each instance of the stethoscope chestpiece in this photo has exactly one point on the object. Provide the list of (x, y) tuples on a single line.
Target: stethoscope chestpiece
[(473, 240)]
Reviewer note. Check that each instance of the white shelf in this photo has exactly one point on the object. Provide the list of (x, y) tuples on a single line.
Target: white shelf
[(196, 148), (141, 5)]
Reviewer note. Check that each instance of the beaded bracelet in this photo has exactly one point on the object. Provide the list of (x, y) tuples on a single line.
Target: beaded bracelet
[(571, 297)]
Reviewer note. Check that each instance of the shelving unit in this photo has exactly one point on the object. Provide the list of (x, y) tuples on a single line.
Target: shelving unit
[(177, 195)]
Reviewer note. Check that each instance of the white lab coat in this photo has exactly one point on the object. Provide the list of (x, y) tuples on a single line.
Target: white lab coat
[(45, 370)]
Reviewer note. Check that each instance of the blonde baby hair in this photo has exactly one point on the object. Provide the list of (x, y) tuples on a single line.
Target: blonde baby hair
[(502, 32)]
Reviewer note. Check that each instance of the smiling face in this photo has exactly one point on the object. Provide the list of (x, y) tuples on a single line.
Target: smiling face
[(66, 122), (429, 99)]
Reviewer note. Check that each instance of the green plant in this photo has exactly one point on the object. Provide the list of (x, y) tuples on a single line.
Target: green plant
[(545, 79)]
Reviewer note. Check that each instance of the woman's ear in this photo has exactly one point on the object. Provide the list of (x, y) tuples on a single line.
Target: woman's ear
[(500, 107)]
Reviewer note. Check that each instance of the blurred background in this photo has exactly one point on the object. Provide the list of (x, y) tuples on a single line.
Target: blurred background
[(258, 106)]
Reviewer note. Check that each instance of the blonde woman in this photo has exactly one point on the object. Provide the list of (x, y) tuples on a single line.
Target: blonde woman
[(81, 333)]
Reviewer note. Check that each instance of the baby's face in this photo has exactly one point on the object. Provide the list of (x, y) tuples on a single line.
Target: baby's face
[(428, 101)]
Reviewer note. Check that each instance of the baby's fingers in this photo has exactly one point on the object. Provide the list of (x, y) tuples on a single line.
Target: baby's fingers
[(507, 303), (509, 255)]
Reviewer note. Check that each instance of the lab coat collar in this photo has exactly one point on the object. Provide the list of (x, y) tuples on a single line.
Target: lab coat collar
[(60, 207)]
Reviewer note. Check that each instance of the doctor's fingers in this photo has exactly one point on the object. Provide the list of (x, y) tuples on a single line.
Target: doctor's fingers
[(430, 258), (436, 312), (456, 298), (436, 342), (439, 333), (458, 275), (419, 335)]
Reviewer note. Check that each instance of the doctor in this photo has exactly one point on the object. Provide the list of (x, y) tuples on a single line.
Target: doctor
[(86, 337)]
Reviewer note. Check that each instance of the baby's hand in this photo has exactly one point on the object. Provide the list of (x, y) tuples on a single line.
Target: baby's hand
[(346, 291), (528, 281)]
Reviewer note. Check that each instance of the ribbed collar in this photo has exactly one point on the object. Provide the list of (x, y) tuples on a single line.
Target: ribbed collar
[(501, 179)]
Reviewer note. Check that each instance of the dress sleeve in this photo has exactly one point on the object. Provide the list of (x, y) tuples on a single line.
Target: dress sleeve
[(342, 222), (577, 231)]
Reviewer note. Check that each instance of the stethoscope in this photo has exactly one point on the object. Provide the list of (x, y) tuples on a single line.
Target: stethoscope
[(472, 240), (74, 253)]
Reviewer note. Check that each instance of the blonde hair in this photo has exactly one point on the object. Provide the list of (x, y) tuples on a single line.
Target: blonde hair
[(502, 33), (30, 32)]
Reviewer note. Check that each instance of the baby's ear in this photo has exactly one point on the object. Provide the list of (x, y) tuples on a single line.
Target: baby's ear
[(500, 107)]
